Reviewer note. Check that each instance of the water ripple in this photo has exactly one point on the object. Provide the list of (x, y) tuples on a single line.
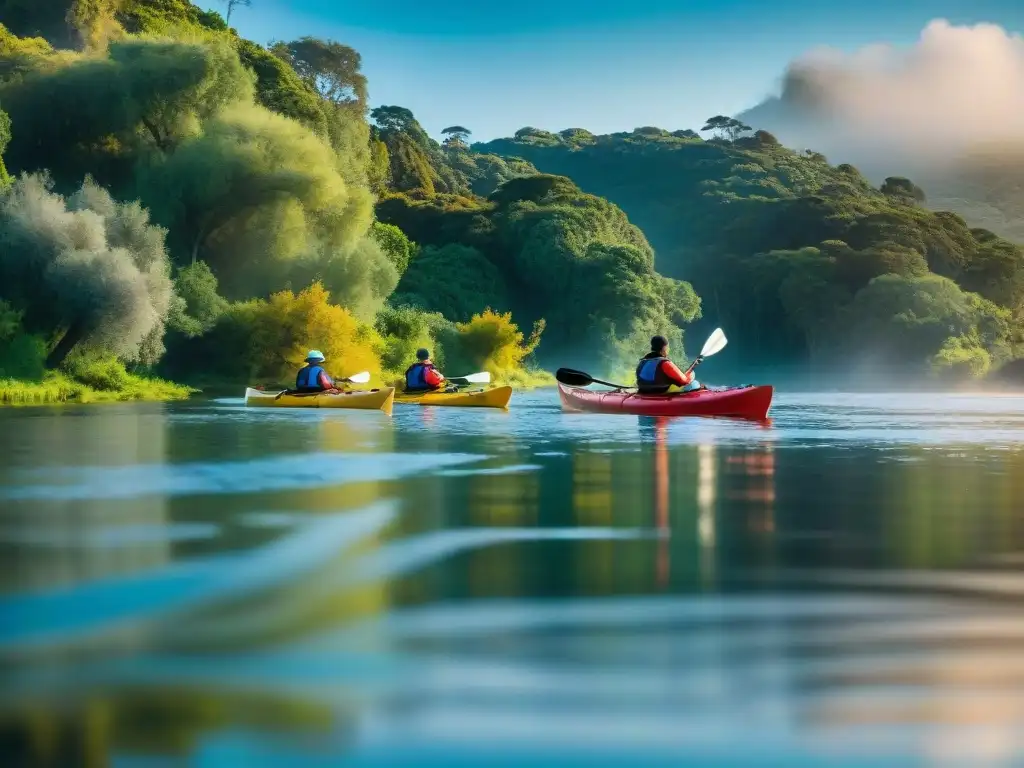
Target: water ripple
[(310, 470), (69, 615)]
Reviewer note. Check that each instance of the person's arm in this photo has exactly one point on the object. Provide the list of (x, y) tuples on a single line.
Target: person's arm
[(679, 378), (433, 377), (325, 381)]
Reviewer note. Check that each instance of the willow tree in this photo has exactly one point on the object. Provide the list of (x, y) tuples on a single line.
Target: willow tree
[(87, 272)]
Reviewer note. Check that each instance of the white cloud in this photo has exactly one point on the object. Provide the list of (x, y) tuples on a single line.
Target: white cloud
[(955, 88)]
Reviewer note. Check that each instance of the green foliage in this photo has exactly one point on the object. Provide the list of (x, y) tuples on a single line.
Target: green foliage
[(378, 169), (22, 356), (726, 127), (440, 220), (19, 55), (154, 116), (962, 357), (392, 119), (543, 249), (902, 189), (417, 165), (261, 167), (5, 137), (280, 89), (577, 136), (536, 137), (456, 137), (404, 330), (64, 23), (58, 387), (276, 203), (396, 246), (197, 305), (265, 341), (485, 173), (331, 68), (578, 262), (161, 17), (455, 280), (535, 189), (778, 242), (105, 374), (410, 168), (100, 115)]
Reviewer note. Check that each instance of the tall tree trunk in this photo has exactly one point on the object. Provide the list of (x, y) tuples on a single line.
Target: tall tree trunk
[(67, 343)]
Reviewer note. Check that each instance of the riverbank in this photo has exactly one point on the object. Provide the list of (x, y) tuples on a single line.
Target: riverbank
[(57, 388)]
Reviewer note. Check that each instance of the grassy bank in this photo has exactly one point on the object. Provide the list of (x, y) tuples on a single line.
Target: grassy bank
[(56, 387)]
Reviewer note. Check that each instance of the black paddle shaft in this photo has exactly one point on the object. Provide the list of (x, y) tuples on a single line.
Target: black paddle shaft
[(573, 378)]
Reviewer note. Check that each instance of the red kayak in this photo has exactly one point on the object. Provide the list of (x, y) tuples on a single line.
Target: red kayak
[(738, 402)]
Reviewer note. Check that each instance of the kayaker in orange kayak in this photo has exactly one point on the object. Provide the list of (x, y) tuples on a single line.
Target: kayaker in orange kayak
[(423, 376), (657, 375), (313, 377)]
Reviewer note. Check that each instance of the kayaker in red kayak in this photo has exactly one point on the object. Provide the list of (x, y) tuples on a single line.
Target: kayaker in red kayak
[(313, 377), (657, 375), (423, 376)]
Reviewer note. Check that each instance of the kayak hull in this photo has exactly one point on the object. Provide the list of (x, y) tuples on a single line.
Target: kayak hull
[(366, 400), (739, 402), (496, 397)]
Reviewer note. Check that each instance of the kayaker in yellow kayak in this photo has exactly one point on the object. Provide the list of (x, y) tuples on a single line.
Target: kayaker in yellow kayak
[(657, 375), (313, 377), (423, 376)]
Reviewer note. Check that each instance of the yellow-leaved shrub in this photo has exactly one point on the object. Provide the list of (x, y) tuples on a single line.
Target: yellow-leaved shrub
[(282, 330), (490, 341)]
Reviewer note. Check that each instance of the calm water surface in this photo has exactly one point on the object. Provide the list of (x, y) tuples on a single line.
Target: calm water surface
[(201, 584)]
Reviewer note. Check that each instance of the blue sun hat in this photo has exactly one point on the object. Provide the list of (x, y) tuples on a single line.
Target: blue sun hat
[(315, 356)]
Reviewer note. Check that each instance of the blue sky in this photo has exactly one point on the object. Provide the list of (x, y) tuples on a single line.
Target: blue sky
[(604, 65)]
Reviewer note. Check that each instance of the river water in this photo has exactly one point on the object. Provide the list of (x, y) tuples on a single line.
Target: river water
[(201, 584)]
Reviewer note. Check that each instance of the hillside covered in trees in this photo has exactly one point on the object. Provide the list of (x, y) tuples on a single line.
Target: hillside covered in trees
[(799, 259), (179, 201), (182, 201)]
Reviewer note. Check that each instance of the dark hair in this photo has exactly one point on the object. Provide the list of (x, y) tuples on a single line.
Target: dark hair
[(658, 343), (422, 354)]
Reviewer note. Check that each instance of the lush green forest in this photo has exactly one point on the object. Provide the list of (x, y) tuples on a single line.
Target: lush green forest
[(178, 202), (799, 259), (182, 202)]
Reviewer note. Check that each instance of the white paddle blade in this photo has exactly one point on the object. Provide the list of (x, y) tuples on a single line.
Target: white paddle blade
[(360, 378), (476, 378), (716, 343)]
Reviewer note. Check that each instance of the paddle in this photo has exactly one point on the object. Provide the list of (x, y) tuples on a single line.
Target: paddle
[(716, 343), (356, 378), (473, 378), (572, 378)]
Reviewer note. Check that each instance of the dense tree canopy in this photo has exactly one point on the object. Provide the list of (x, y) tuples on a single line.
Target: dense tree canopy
[(254, 176), (544, 250), (782, 245)]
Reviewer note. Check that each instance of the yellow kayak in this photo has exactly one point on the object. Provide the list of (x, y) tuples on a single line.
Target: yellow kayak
[(496, 397), (365, 399)]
